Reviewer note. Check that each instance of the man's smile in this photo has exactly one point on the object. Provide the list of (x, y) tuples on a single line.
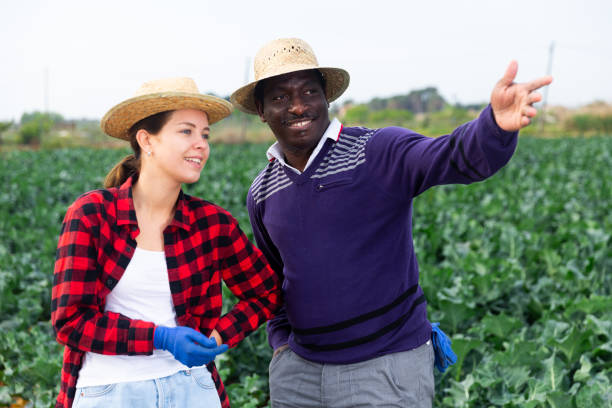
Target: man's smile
[(299, 124)]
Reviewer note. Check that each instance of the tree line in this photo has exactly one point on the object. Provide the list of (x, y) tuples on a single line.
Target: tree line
[(423, 110)]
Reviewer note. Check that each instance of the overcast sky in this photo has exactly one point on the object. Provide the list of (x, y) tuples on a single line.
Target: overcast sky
[(93, 55)]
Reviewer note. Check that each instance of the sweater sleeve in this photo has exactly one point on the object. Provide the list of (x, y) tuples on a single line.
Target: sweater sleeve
[(407, 163), (76, 315), (247, 274), (278, 327)]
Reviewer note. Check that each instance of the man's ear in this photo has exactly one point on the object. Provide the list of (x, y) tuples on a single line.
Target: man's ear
[(259, 107)]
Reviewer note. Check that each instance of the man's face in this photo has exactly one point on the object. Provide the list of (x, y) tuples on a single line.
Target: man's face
[(295, 108)]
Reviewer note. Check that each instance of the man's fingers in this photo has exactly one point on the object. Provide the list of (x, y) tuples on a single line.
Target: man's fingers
[(202, 339), (278, 350), (530, 111), (525, 121), (538, 83), (510, 74), (534, 97)]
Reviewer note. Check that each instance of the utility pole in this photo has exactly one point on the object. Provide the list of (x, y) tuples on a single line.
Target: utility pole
[(551, 51), (46, 89)]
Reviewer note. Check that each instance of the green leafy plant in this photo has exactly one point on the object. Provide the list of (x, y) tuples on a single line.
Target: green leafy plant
[(517, 269)]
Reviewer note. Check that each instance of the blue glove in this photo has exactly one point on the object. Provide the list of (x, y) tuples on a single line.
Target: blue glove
[(444, 355), (187, 345)]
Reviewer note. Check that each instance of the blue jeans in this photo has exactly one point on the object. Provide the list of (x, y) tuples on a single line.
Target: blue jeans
[(188, 388)]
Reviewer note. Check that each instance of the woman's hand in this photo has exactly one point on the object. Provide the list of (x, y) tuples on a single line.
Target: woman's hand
[(187, 345)]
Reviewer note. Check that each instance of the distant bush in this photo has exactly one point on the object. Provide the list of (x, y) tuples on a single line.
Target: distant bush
[(35, 124), (430, 124), (4, 126), (391, 117), (417, 101), (591, 123), (361, 115), (357, 115)]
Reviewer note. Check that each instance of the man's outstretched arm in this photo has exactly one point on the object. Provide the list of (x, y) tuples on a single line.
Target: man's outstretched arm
[(406, 163)]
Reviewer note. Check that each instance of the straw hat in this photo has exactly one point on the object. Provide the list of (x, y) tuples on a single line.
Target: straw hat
[(160, 96), (280, 57)]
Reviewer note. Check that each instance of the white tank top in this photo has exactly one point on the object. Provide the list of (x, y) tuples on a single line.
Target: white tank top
[(142, 293)]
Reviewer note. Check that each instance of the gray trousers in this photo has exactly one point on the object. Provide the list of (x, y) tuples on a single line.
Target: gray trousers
[(402, 379)]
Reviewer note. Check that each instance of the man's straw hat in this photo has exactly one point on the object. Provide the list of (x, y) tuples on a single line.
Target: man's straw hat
[(160, 96), (283, 56)]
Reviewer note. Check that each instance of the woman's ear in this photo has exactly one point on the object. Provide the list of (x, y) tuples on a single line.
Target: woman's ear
[(144, 141)]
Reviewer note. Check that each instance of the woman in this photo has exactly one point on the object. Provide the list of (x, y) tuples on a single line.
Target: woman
[(137, 282)]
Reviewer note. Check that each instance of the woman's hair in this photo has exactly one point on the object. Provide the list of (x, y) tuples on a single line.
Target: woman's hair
[(130, 164)]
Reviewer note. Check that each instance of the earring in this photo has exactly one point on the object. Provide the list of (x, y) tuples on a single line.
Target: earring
[(148, 153)]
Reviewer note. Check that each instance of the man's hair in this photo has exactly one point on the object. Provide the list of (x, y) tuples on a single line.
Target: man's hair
[(259, 88)]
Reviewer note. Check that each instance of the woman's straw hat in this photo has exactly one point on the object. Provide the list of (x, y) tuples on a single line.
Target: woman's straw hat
[(280, 57), (160, 96)]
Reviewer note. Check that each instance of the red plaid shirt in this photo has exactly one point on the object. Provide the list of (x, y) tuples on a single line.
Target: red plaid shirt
[(203, 244)]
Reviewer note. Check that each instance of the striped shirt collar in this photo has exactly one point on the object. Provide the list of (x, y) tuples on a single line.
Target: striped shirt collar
[(333, 132)]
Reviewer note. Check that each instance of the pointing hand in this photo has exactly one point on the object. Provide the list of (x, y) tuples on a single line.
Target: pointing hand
[(512, 102)]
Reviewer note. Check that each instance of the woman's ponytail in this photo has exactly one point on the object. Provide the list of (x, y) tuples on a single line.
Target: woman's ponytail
[(123, 170)]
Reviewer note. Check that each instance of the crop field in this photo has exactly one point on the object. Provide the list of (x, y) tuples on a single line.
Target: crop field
[(518, 270)]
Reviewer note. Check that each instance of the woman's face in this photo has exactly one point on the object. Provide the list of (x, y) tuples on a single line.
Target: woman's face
[(180, 149)]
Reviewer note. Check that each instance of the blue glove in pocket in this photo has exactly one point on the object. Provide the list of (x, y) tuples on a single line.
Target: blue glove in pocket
[(444, 355)]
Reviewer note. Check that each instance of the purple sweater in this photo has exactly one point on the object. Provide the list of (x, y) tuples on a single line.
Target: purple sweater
[(340, 235)]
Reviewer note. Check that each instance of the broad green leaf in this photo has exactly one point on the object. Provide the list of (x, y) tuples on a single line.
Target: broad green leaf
[(574, 344), (5, 396), (529, 404), (591, 305), (554, 330), (499, 325), (554, 373), (501, 396), (460, 392), (559, 399), (515, 377), (584, 372), (455, 314), (462, 346), (488, 374), (602, 327), (536, 391), (521, 352), (596, 393)]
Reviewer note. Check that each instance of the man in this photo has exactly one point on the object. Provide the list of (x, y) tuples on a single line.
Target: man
[(332, 212)]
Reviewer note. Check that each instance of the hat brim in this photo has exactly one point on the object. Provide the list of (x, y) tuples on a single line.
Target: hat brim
[(336, 82), (120, 118)]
